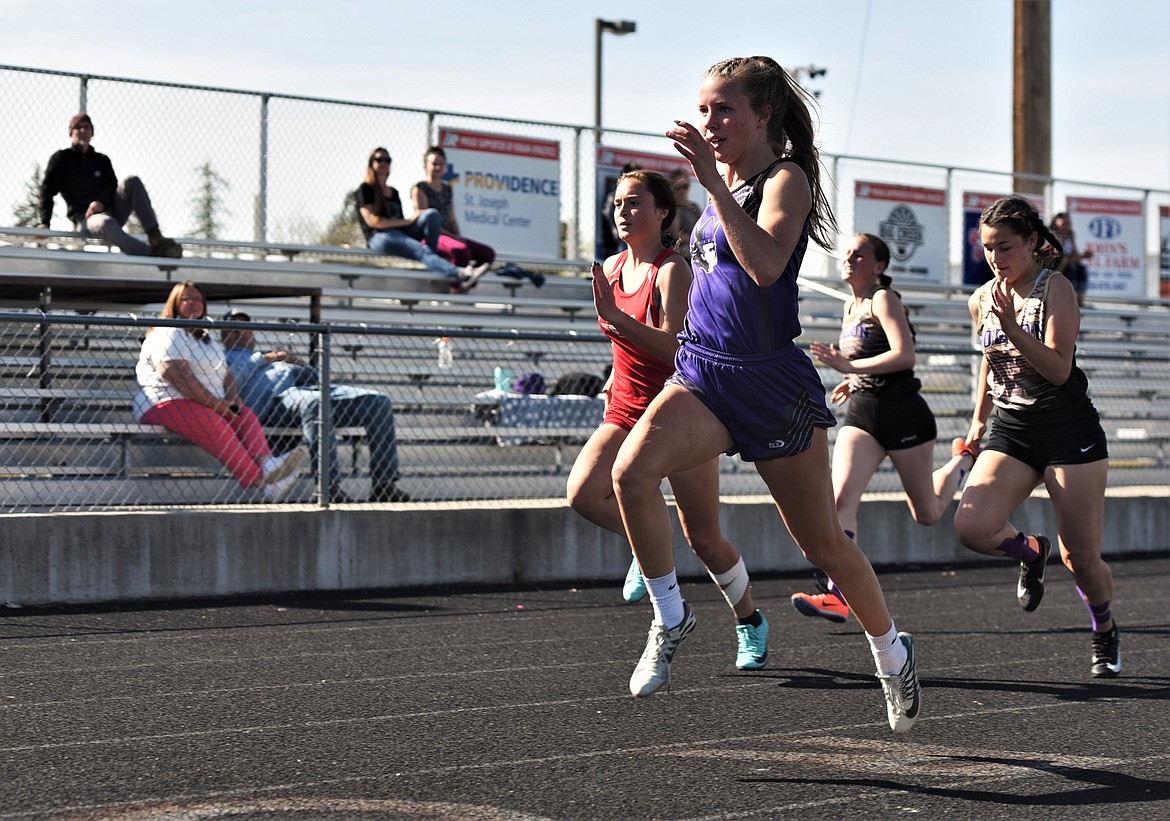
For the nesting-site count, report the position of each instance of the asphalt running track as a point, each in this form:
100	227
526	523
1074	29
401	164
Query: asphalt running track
512	704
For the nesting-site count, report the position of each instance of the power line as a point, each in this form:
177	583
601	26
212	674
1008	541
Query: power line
857	80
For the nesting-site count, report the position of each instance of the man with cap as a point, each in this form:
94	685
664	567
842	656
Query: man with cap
283	390
96	202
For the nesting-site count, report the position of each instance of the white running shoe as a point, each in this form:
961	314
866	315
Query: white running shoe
279	489
903	693
277	467
469	275
653	668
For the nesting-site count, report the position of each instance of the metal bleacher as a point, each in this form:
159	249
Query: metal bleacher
70	438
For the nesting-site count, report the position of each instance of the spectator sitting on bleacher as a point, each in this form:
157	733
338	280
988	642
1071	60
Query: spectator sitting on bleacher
284	390
687	213
185	386
1072	264
95	201
389	232
434	192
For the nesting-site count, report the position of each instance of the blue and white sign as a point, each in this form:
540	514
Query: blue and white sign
1113	232
507	191
610	162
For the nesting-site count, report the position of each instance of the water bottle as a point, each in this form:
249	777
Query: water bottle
446	358
503	378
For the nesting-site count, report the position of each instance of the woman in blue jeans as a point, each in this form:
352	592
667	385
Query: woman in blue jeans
389	232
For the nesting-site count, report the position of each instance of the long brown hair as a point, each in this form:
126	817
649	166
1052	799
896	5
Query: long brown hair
371	180
790	131
661	191
171	308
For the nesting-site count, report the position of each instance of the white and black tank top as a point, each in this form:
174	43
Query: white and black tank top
1013	383
862	336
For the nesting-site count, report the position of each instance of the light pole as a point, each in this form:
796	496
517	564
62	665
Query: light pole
613	27
810	71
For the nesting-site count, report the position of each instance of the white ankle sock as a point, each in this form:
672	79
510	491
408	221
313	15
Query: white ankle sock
667	599
888	653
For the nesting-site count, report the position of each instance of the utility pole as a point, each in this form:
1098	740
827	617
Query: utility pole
1032	94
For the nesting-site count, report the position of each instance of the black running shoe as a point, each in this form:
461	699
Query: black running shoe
1030	588
1106	653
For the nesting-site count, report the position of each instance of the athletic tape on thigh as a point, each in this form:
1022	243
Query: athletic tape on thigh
733	583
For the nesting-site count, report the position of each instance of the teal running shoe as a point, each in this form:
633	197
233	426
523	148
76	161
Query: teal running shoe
753	645
634	590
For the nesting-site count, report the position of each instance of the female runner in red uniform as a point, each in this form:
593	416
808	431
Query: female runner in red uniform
641	298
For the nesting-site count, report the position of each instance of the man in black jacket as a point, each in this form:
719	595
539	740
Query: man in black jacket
95	201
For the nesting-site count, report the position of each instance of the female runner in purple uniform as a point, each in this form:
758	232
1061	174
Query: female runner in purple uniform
741	385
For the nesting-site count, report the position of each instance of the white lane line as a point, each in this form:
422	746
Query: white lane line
397	717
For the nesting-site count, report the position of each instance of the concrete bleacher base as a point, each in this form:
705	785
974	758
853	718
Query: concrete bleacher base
87	558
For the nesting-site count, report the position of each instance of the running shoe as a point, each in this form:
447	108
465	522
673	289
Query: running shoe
469	275
826	605
337	496
276	468
753	645
389	492
902	691
634	589
1030	587
653	670
959	447
277	491
1106	653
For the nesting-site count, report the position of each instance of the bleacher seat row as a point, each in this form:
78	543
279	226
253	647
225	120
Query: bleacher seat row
64	403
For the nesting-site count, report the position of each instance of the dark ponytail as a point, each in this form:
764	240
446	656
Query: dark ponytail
881	253
1020	217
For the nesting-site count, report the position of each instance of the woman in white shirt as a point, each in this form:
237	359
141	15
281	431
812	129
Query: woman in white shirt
186	386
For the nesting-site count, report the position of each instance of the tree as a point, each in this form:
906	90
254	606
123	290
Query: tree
342	229
27	212
207	203
297	228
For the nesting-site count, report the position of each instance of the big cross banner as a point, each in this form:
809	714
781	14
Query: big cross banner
610	162
1113	231
976	271
912	221
507	191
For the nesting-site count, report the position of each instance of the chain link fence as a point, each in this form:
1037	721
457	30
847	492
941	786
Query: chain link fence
288	164
69	440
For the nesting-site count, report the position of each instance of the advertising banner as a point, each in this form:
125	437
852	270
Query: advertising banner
912	221
1164	255
507	191
1113	232
976	271
610	163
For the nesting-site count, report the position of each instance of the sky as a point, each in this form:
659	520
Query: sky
915	80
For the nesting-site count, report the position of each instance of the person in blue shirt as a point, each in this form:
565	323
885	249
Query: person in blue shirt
284	390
